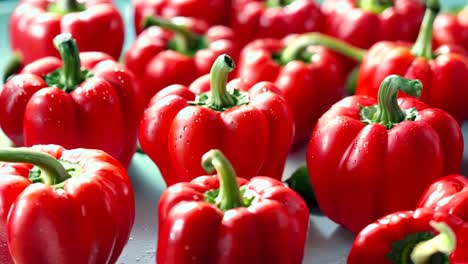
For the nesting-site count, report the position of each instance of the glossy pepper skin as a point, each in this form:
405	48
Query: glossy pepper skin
310	77
369	158
250	123
254	19
177	51
395	239
452	28
363	23
444	73
69	103
75	206
211	220
449	194
95	24
212	12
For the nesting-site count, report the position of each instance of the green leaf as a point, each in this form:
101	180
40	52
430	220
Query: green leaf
300	183
210	196
241	98
401	250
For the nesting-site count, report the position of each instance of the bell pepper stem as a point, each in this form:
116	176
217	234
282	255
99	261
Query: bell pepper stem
229	196
13	65
389	112
277	3
220	98
71	75
375	6
53	170
351	80
294	50
444	242
66	6
184	38
423	45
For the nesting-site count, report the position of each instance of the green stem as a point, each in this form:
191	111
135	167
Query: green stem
66	6
54	172
351	80
389	112
184	39
423	45
71	75
277	3
220	98
444	242
13	65
229	196
375	6
295	49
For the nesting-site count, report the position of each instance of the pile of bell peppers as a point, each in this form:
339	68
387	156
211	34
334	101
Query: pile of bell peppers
230	88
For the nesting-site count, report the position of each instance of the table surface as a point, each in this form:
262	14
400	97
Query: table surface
326	242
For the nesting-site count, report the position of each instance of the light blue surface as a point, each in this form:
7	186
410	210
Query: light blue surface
327	243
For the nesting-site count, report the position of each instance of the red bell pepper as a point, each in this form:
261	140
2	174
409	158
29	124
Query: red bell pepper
449	194
452	28
177	52
251	124
63	206
310	77
444	74
96	25
369	158
363	23
417	237
441	71
69	103
253	19
212	12
211	220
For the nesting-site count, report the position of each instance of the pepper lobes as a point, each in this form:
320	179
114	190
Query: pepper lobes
96	26
419	237
177	51
254	19
310	77
448	194
363	23
210	220
369	158
63	206
250	123
212	12
69	102
452	28
444	73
